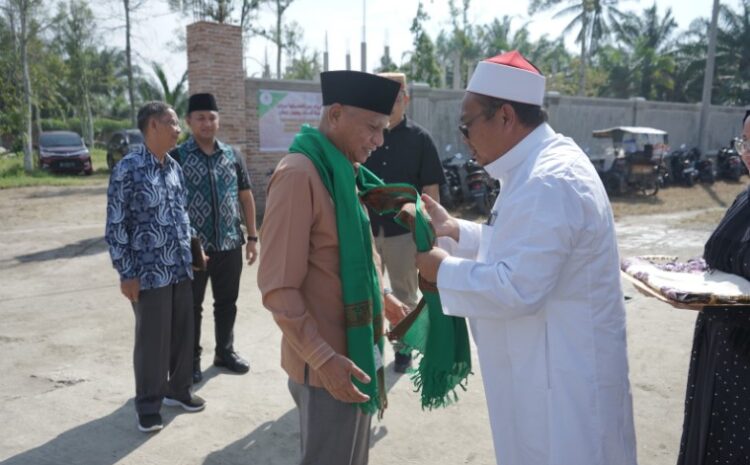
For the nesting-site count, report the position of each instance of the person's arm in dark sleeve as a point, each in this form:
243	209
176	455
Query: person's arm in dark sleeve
431	175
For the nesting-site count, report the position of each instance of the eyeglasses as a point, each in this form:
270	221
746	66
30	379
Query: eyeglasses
464	128
741	145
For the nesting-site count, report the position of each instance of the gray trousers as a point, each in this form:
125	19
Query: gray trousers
397	255
331	432
163	352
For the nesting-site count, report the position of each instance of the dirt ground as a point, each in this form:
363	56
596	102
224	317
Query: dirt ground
67	333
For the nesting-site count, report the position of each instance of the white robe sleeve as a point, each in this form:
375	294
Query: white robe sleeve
469	237
525	256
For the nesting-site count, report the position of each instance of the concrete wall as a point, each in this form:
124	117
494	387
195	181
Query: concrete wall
215	65
438	110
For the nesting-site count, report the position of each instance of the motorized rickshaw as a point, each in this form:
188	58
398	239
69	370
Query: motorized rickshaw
628	158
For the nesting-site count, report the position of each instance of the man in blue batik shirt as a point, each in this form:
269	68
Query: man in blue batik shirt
148	232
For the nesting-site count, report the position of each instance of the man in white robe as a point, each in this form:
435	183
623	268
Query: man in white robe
539	282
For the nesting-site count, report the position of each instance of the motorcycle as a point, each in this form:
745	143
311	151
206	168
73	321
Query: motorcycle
682	168
451	192
704	166
729	164
482	188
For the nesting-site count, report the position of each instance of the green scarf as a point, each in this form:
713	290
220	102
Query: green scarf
443	341
359	278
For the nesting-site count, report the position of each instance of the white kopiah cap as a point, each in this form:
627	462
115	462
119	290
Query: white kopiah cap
508	76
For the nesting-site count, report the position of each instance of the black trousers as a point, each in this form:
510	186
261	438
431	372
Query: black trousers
163	341
224	270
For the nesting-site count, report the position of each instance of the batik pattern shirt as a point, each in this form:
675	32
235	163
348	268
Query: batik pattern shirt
148	229
213	183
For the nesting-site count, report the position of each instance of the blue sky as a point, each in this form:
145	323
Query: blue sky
155	26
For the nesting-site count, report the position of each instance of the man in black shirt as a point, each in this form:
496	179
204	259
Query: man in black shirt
408	155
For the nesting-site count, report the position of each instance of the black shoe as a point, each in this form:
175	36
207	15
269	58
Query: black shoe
149	422
197	375
232	362
193	404
402	364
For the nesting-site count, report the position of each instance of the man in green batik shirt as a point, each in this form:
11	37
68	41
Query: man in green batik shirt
219	198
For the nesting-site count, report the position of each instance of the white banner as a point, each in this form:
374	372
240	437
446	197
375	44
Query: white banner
282	113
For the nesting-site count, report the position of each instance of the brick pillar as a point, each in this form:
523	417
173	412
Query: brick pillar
215	65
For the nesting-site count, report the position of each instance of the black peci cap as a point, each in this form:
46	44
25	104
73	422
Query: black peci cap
358	89
199	102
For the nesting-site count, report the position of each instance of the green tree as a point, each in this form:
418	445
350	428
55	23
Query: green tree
550	56
732	78
160	89
76	37
648	38
220	11
690	64
422	64
23	24
303	65
593	20
281	33
458	50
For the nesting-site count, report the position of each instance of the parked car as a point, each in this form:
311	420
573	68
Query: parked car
64	152
121	143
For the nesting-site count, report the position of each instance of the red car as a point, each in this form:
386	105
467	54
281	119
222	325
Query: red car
64	152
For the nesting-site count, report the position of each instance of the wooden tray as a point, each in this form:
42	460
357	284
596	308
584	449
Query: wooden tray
648	292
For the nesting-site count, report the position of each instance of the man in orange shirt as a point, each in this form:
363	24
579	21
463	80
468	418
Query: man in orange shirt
318	272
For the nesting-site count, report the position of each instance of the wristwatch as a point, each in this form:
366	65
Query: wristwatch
252	238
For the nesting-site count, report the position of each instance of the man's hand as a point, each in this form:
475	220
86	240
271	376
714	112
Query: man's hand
445	225
130	288
336	376
251	252
395	310
205	260
428	263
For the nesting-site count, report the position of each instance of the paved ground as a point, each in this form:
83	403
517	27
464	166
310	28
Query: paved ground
66	339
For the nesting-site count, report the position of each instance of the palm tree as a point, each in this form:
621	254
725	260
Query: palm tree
733	55
690	63
648	40
550	56
593	19
161	90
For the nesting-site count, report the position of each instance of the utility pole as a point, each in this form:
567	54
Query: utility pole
363	47
325	55
708	79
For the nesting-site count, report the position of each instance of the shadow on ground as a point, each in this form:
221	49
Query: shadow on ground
67	191
277	442
713	195
637	199
78	446
84	247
